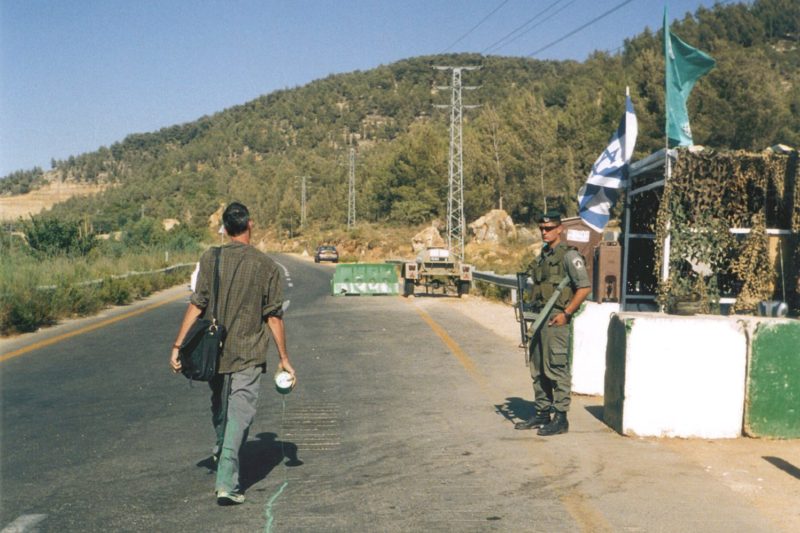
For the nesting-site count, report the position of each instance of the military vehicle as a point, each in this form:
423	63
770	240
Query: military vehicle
434	269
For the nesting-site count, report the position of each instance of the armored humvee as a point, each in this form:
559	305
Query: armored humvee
435	269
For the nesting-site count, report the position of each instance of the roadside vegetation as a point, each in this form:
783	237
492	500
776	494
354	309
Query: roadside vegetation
54	270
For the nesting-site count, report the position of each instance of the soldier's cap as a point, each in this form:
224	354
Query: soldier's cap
552	216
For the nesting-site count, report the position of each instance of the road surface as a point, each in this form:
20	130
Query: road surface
402	421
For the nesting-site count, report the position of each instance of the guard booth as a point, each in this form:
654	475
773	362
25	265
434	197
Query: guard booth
678	198
603	257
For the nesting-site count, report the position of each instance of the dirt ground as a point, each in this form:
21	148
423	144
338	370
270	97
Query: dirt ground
765	472
14	207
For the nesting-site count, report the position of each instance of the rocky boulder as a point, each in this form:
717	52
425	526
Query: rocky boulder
495	226
169	223
429	237
215	219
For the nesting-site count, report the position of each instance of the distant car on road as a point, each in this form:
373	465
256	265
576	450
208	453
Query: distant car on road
326	253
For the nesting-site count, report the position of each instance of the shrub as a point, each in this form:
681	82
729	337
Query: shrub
115	291
50	237
26	311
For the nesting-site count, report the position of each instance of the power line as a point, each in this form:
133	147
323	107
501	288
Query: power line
518	28
556	12
475	27
573	32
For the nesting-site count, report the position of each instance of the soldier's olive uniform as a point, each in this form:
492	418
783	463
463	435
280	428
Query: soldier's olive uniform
550	366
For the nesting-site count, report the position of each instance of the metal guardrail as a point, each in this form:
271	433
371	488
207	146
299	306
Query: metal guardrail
507	281
120	276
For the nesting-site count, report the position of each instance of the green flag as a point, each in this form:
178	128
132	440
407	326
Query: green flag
685	65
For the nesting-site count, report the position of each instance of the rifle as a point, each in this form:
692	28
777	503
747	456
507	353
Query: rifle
523	311
541	317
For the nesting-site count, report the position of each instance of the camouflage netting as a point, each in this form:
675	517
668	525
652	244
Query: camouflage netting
708	194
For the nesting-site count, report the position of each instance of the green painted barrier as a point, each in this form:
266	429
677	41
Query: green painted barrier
365	279
772	407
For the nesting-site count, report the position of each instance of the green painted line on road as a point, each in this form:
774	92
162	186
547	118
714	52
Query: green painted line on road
268	511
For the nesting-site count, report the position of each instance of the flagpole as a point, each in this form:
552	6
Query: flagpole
668	226
626	240
667	237
667	166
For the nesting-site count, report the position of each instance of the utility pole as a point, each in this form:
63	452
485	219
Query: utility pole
351	191
455	191
303	203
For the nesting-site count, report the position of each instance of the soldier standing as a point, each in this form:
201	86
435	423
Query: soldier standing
550	367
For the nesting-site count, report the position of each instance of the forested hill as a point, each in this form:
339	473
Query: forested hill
538	120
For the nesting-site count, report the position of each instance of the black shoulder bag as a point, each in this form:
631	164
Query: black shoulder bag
202	345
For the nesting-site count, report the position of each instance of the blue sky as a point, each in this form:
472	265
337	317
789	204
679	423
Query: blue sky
79	74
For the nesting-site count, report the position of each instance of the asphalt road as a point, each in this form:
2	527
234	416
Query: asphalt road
402	421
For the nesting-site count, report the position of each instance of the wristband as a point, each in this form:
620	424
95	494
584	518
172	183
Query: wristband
567	314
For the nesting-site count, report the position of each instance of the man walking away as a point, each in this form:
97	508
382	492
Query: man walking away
250	308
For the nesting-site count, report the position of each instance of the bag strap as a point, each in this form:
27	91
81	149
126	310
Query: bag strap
218	253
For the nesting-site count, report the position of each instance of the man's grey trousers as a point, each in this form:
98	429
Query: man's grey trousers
234	398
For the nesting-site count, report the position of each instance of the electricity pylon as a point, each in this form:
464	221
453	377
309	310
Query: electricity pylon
455	190
303	204
351	191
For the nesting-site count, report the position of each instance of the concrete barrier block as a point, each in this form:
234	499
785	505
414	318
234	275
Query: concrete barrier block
772	407
675	376
589	336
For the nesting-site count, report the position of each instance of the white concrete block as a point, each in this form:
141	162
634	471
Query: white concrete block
589	336
679	376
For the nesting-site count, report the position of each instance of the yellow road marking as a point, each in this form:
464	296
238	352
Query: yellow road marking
87	329
589	518
465	360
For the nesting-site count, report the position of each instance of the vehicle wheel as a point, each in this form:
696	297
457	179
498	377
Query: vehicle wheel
463	288
316	259
408	288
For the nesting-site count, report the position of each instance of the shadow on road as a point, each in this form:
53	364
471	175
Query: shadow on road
435	295
786	466
596	411
515	408
259	457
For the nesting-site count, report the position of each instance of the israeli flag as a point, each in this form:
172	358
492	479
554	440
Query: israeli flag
609	172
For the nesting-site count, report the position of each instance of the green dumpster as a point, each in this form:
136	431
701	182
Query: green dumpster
365	279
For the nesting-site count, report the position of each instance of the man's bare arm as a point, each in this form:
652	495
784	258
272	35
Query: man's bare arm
574	304
191	314
278	330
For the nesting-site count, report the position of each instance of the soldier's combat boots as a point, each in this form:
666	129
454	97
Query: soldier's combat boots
539	419
559	424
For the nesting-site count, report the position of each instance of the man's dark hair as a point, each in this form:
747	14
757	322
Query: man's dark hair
235	219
